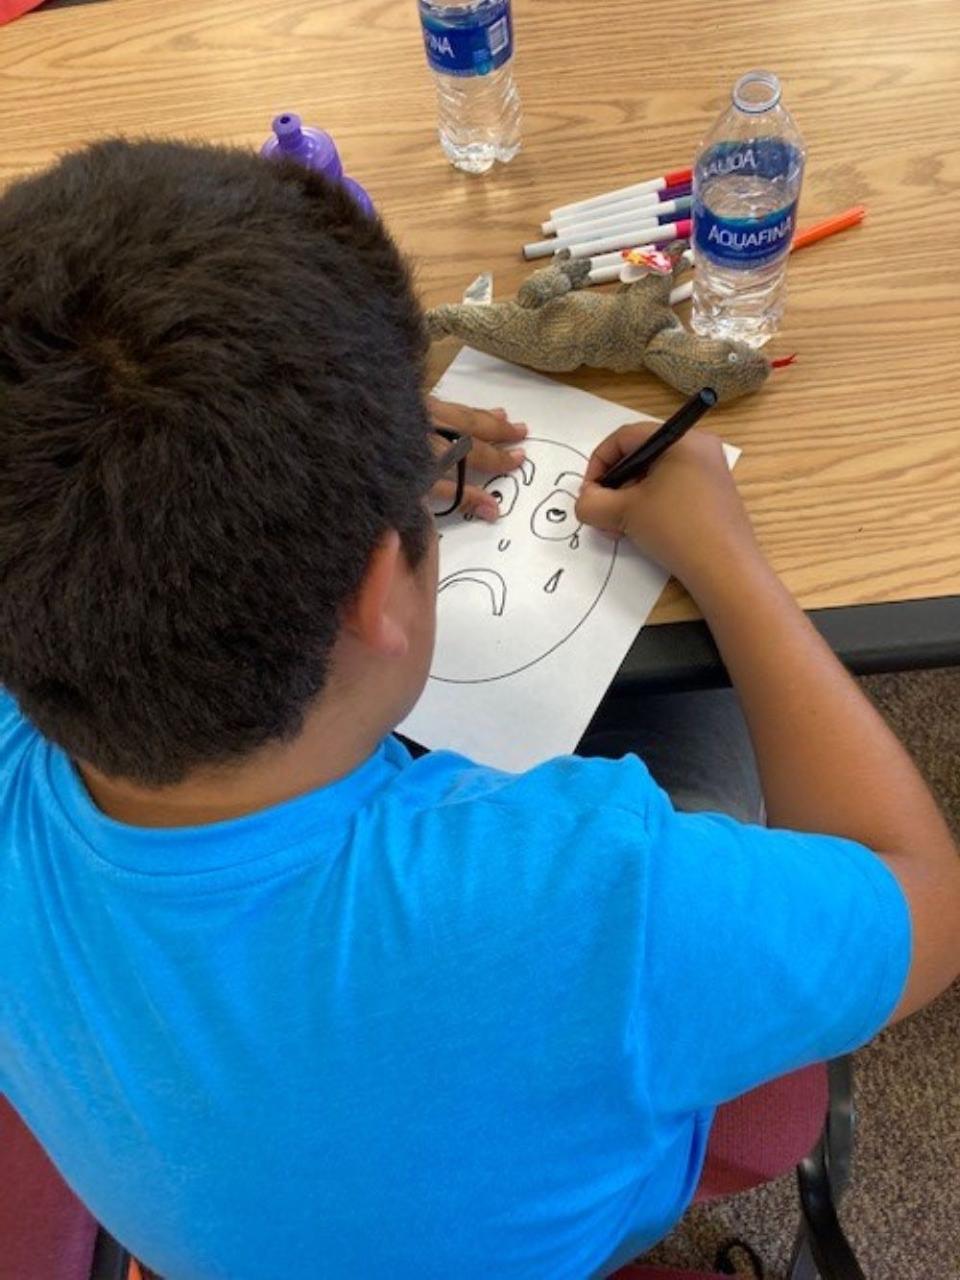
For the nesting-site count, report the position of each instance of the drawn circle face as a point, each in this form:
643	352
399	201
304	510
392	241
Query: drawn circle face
512	592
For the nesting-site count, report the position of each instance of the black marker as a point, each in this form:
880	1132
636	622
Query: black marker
635	464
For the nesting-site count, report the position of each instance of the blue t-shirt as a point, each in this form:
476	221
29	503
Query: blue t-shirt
430	1021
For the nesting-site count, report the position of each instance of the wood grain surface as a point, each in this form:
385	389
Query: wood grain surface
851	464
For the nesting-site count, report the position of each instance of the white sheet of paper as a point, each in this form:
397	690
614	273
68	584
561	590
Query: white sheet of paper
535	613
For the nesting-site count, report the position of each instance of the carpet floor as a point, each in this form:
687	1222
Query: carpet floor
902	1209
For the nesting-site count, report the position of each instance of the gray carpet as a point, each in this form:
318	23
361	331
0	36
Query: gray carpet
902	1210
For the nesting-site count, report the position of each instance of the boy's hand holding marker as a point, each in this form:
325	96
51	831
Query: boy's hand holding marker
686	513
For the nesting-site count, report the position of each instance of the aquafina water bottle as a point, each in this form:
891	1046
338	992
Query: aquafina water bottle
746	185
469	46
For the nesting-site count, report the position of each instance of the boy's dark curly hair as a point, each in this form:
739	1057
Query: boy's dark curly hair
211	410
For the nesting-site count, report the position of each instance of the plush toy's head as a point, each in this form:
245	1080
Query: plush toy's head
690	362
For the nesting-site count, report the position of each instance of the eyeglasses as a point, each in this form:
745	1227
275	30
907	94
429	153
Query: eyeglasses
454	456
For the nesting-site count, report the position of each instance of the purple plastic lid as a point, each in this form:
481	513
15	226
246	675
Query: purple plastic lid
310	147
316	150
359	195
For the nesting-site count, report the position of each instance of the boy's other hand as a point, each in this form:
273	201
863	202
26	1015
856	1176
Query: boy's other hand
495	449
685	513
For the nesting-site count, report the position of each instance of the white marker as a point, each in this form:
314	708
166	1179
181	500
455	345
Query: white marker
630	240
646	216
605	275
673	179
603	260
554	226
590	231
681	293
652	203
610	275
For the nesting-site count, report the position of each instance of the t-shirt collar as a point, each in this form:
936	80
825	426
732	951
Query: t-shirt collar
189	850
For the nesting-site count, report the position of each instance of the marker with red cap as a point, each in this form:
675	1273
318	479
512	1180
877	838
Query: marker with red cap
674	179
557	226
608	214
631	238
646	218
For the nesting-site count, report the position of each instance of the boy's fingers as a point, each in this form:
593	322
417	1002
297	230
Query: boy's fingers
475	500
601	508
484	424
480	503
487	457
498	430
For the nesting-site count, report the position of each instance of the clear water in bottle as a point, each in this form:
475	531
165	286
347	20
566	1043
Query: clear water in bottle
469	48
746	186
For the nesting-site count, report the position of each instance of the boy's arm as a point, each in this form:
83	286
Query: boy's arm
827	760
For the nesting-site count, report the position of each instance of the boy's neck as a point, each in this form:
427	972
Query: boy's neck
329	747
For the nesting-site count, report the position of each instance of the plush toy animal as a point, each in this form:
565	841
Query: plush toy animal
556	325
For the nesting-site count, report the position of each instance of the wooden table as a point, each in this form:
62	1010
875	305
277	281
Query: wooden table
851	464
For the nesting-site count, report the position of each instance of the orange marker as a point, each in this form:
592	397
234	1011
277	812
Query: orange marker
820	230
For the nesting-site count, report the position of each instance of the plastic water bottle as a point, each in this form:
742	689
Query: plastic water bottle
469	47
314	148
746	185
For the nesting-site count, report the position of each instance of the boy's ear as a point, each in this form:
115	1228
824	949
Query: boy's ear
372	616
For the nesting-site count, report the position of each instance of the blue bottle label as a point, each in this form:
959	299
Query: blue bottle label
473	45
746	242
743	242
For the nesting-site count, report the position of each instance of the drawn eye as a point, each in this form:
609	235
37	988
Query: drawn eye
505	490
555	518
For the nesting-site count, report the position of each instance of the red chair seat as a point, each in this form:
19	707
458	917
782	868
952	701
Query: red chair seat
45	1232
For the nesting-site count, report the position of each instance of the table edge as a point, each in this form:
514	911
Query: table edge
902	635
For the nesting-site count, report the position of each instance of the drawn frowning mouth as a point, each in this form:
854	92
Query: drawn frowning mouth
489	578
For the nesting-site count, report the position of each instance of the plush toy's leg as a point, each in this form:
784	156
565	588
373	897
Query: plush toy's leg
443	320
554	282
465	320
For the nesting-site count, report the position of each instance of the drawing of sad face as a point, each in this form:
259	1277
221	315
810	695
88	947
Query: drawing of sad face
512	592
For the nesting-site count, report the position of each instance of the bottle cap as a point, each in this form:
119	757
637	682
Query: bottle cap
311	147
756	91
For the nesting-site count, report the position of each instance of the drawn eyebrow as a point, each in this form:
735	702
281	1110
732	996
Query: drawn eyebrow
576	475
528	469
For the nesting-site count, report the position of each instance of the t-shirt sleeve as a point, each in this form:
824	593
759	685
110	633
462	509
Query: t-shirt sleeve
763	951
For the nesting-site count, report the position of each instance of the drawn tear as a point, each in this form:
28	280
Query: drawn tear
551	584
528	470
575	541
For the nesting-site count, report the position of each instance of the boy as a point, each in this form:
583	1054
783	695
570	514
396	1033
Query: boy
276	998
